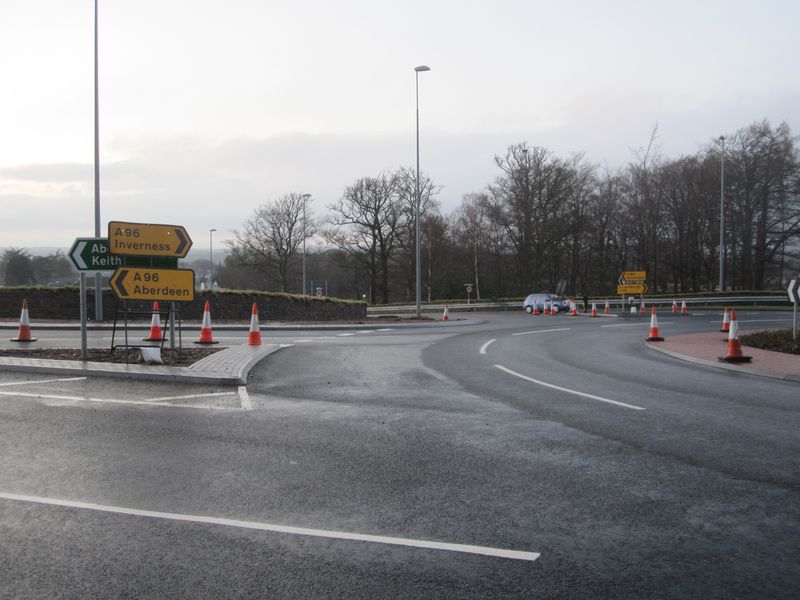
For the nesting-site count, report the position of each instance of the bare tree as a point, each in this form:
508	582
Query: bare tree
271	237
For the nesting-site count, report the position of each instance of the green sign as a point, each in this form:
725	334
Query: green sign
92	254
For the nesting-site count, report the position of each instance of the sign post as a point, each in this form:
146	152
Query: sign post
794	297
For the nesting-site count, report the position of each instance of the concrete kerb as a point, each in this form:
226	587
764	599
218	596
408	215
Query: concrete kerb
742	370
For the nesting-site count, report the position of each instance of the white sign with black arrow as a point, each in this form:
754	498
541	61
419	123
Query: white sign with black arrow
794	297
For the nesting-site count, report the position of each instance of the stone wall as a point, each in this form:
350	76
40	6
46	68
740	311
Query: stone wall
63	303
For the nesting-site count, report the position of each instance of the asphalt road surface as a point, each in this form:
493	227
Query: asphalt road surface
527	457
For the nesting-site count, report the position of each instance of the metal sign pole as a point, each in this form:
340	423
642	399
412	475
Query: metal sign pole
172	328
83	316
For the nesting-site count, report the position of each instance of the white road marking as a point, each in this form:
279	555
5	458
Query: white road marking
390	329
107	400
345	334
486	345
275	528
189	396
43	381
762	320
366	331
542	331
244	398
569	391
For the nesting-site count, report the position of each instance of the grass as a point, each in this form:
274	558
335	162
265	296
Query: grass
775	340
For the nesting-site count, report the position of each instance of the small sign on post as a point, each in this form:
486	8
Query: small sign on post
794	297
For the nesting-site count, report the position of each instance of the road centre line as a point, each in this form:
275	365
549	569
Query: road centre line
345	334
189	396
542	331
108	400
275	528
43	381
244	398
486	345
569	391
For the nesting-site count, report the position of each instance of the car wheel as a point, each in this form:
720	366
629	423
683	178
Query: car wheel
528	309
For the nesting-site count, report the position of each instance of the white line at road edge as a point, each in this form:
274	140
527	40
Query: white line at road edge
541	331
43	381
189	396
109	401
562	389
321	533
244	398
486	345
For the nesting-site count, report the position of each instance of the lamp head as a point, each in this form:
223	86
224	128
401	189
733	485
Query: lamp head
421	68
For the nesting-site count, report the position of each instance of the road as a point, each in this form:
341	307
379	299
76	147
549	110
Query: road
554	457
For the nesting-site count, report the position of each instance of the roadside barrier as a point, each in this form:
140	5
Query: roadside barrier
254	337
655	335
733	352
205	327
156	334
24	333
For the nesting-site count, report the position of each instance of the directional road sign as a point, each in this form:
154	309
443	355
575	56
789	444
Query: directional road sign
631	288
146	239
794	291
92	254
633	276
139	283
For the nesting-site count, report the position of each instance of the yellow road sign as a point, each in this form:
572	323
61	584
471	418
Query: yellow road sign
633	276
176	285
631	288
146	239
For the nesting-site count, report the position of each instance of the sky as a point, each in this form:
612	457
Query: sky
209	109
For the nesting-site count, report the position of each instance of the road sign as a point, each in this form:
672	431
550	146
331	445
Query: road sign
631	288
92	254
141	283
146	239
633	276
794	291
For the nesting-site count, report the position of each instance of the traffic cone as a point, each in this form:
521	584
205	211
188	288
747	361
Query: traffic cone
24	334
654	336
606	309
674	306
545	310
726	321
684	310
553	310
535	310
444	314
205	327
594	309
156	335
574	310
734	350
254	338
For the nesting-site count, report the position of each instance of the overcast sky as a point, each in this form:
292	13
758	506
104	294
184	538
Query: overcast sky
208	109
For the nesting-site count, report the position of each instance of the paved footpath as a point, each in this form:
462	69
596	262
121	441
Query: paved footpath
706	348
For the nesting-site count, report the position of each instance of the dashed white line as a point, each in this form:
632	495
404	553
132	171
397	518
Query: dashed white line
275	528
244	398
486	345
345	334
43	381
567	390
542	331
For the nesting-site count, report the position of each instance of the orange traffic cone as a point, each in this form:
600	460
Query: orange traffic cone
205	327
594	309
553	310
444	314
674	306
606	309
684	310
642	308
545	309
654	336
156	335
726	321
535	310
574	310
254	338
734	351
24	334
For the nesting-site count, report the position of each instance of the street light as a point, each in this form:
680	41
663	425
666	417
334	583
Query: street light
98	279
305	198
417	71
211	258
722	215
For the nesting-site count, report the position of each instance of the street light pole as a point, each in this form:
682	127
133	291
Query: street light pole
722	216
211	258
417	71
98	279
305	198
